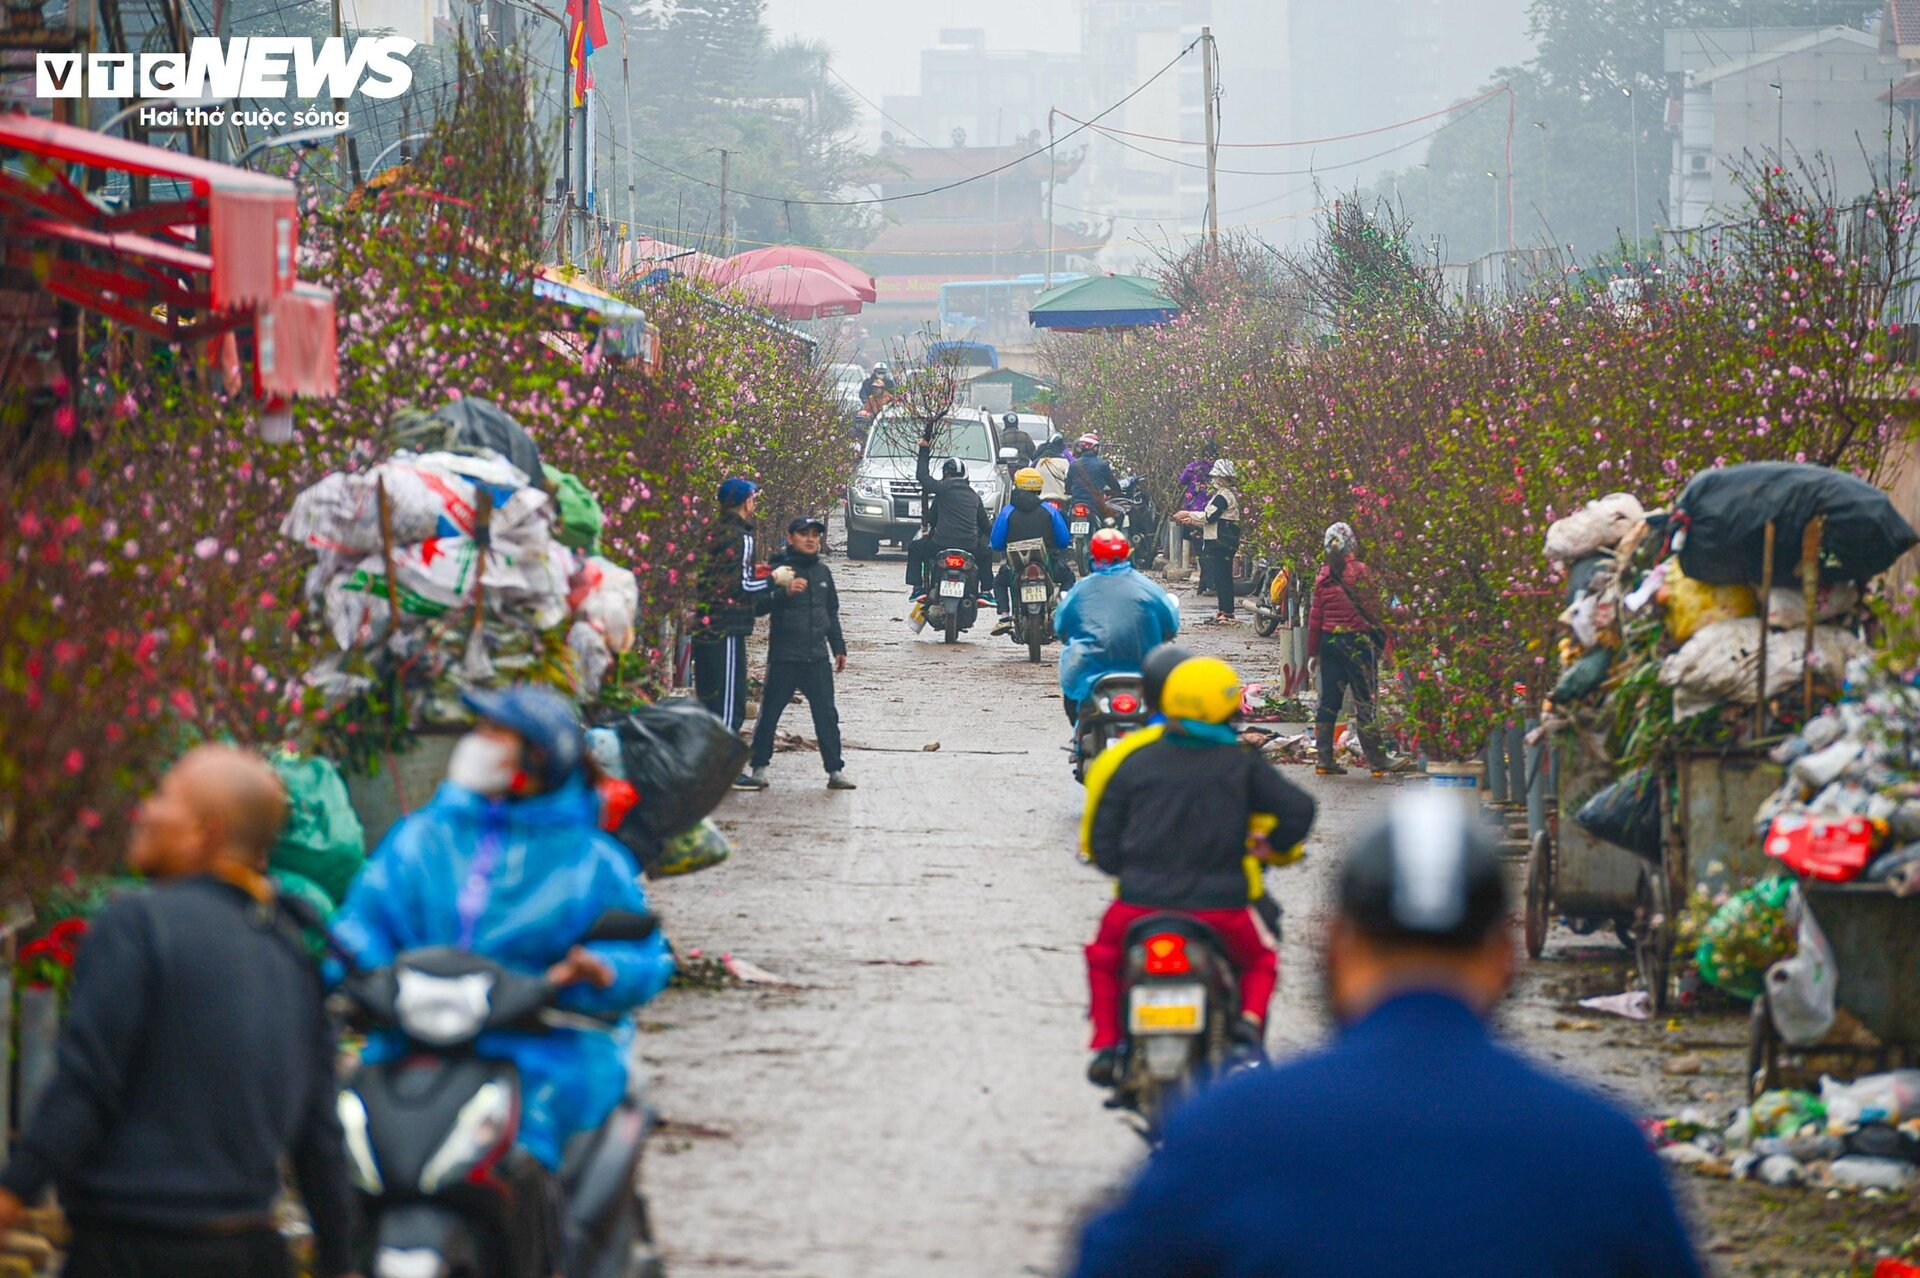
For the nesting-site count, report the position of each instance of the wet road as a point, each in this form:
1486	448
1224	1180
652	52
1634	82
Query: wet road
915	1105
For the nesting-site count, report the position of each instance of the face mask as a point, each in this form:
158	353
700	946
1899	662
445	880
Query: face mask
485	765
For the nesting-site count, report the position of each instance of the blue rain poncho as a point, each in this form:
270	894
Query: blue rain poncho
1110	621
519	881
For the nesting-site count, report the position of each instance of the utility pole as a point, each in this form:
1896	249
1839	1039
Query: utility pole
1495	178
1779	123
725	158
1633	105
1546	223
626	106
1051	171
1213	145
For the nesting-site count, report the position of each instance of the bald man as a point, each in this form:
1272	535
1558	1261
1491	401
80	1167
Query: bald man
196	1055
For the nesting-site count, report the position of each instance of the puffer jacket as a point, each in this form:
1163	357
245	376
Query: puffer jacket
550	873
730	583
806	626
958	516
1334	611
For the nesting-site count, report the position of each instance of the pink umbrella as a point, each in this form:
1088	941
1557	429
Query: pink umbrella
798	292
813	259
645	255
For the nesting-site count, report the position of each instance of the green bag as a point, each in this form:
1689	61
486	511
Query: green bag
302	888
1745	937
698	847
323	840
580	517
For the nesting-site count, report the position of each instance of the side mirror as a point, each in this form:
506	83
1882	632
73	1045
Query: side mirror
622	925
1009	454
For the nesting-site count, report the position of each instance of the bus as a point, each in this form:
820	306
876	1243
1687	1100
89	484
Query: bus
994	311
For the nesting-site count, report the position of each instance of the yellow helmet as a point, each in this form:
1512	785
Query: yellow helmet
1029	479
1203	688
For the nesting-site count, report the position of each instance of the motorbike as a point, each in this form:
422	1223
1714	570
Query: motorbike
431	1136
951	606
1271	596
1116	706
1084	520
1179	997
1143	523
1034	594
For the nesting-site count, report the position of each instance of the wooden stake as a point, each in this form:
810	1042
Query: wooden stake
386	551
1766	585
482	540
1809	593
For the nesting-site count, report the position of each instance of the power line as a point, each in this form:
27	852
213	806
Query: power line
936	190
878	109
1339	137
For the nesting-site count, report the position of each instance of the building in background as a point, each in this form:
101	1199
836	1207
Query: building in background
1818	96
971	95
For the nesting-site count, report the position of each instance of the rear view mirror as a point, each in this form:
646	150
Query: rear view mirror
622	925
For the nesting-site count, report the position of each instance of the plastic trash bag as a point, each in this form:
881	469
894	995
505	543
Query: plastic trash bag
1723	514
436	577
1626	814
430	495
1599	525
1787	606
1758	916
591	659
1800	989
1892	1098
580	516
1583	677
469	423
606	597
304	890
682	759
699	847
1695	604
323	841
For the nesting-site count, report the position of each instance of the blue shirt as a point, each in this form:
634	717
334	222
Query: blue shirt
1414	1144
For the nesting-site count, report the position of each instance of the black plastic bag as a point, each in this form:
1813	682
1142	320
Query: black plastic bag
1580	576
481	423
1725	513
1583	676
1626	814
682	759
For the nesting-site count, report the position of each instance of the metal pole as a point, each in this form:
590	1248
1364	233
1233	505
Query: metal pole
1213	144
1546	223
725	157
1779	123
1633	106
626	105
1050	183
1766	586
1493	245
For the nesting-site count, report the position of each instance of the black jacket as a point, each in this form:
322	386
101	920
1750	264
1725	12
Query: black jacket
1018	440
805	627
1172	822
956	513
730	584
196	1054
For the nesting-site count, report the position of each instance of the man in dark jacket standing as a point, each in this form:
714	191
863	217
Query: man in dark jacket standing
730	587
1414	1143
196	1055
805	629
956	519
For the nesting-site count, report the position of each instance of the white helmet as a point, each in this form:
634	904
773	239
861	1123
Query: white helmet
1222	469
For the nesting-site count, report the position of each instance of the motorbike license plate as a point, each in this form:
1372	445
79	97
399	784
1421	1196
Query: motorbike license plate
1166	1009
1033	594
952	589
1080	528
913	510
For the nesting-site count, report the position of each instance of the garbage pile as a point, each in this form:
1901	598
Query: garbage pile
459	561
1849	808
1862	1135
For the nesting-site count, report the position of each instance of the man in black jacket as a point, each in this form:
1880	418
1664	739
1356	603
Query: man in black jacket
196	1056
956	520
805	628
730	587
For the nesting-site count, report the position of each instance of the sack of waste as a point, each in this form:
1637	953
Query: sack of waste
1626	814
682	759
471	425
1583	677
580	518
322	841
606	597
1692	604
1891	1098
699	847
1599	525
1722	517
1720	665
436	577
1787	606
430	495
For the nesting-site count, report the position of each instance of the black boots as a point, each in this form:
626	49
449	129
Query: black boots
1327	765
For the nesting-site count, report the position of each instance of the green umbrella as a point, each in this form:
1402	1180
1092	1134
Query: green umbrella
1104	301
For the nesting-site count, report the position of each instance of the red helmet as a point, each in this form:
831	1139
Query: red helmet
1109	546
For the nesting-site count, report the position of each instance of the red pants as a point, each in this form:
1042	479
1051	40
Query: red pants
1259	967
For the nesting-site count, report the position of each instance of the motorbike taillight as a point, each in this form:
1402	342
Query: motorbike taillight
1167	955
1079	512
956	561
1124	704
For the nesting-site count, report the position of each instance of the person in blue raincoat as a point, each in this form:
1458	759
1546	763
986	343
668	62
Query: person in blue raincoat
1110	621
507	860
